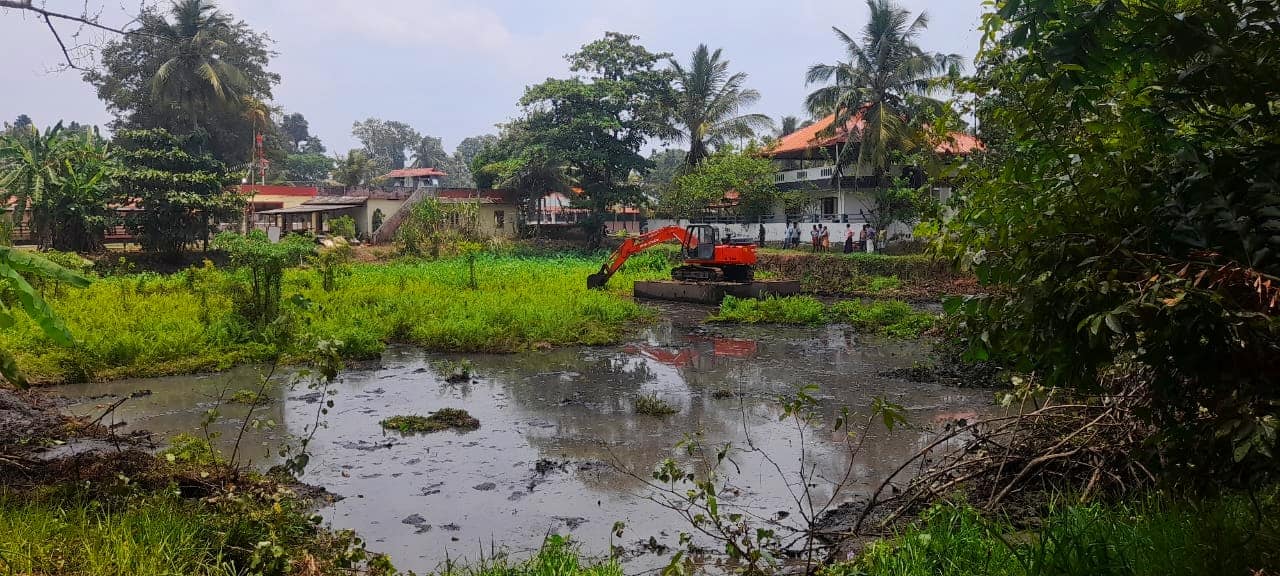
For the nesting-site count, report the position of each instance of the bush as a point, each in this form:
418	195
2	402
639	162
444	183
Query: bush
652	405
343	226
1157	536
891	317
788	310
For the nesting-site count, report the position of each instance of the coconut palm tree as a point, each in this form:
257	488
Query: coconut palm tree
195	75
355	169
708	102
887	78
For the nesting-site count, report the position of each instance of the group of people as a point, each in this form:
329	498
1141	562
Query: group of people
820	237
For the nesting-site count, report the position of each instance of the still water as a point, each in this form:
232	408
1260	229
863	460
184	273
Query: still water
560	448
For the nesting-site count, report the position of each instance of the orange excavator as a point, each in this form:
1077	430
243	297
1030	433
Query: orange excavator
705	258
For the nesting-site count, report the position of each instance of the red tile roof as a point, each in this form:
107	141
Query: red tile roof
413	173
815	136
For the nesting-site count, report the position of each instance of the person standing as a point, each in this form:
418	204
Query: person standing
848	238
761	235
871	238
826	238
813	237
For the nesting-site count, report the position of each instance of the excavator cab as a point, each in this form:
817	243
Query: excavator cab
700	244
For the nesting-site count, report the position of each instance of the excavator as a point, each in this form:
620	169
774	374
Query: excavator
705	259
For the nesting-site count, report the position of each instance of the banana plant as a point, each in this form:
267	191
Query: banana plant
15	266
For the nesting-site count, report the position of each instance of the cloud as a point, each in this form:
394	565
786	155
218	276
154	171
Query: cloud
437	23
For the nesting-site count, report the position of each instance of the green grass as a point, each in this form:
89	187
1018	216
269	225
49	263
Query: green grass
878	284
439	421
890	317
1157	536
121	531
788	310
652	405
152	325
557	557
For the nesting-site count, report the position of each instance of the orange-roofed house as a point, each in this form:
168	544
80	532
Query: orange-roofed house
805	161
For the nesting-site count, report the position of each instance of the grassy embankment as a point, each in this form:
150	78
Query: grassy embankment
150	325
912	277
890	317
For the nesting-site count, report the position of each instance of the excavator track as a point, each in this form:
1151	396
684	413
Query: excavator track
696	274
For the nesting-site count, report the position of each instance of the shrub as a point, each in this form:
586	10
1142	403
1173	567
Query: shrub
343	226
788	310
891	317
652	405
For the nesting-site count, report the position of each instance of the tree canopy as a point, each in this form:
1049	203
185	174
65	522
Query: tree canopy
708	104
596	123
181	190
1131	223
190	70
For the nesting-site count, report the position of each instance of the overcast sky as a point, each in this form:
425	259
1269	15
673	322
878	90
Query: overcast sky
454	68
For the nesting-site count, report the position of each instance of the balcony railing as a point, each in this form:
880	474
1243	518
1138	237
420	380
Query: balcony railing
804	175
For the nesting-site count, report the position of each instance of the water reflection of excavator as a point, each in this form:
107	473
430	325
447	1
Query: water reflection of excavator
705	259
686	356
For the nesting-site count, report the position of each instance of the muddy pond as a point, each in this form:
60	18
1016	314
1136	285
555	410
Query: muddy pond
560	448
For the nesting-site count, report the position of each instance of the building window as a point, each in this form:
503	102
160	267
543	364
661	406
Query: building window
499	219
828	205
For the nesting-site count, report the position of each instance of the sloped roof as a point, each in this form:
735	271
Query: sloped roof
413	173
812	137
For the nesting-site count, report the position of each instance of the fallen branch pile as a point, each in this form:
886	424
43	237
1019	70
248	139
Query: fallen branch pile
1083	446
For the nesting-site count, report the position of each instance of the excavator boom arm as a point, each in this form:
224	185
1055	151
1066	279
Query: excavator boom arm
633	246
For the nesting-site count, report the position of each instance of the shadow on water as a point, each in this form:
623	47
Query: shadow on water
553	424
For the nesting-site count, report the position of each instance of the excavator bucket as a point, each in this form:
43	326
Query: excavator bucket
597	280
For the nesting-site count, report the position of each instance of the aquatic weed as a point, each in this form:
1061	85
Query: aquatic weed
442	419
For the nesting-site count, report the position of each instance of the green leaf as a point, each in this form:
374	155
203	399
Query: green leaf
36	307
9	369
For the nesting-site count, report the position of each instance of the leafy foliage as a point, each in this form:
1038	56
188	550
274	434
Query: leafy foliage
265	263
708	101
886	81
62	178
308	167
355	169
596	124
746	173
181	191
189	73
434	228
15	269
1129	225
386	142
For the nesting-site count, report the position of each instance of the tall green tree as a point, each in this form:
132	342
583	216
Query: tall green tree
1130	230
355	169
296	131
387	143
181	191
471	146
62	180
429	153
188	71
709	101
518	161
308	167
595	124
746	173
887	80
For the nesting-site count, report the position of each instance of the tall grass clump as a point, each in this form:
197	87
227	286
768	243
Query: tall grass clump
1157	536
892	317
152	325
557	557
772	310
